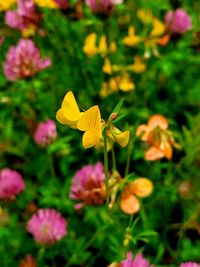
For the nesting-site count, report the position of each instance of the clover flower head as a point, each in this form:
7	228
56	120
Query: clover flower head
139	261
47	226
178	21
102	6
11	183
190	264
88	185
24	17
45	133
24	60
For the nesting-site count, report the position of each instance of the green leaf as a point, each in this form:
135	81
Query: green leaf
118	106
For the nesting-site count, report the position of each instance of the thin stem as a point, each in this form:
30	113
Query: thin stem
114	165
106	167
130	147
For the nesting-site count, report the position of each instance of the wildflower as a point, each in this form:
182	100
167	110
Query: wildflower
46	3
62	4
90	123
139	261
107	67
91	49
155	133
190	264
132	39
26	18
11	183
139	66
47	226
24	60
69	113
178	21
157	36
5	5
28	262
88	185
145	15
45	133
141	187
102	6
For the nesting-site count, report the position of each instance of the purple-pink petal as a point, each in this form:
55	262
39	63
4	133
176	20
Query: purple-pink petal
11	183
24	60
47	226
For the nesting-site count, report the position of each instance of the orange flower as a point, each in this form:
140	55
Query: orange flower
141	187
155	133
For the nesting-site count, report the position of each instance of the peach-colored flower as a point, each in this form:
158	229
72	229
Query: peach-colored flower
141	187
155	133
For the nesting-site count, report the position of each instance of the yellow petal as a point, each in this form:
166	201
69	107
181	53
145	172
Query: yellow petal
6	4
158	28
90	138
70	108
138	66
89	47
62	119
142	187
126	83
107	67
145	15
131	39
45	3
103	46
91	119
113	47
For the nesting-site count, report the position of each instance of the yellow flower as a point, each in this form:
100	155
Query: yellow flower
90	123
145	15
103	46
107	67
138	66
113	47
131	39
69	113
158	28
90	48
125	83
6	4
46	3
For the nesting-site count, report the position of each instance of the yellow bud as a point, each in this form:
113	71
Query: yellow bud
122	138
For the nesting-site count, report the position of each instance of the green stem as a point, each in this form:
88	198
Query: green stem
114	165
130	147
106	167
